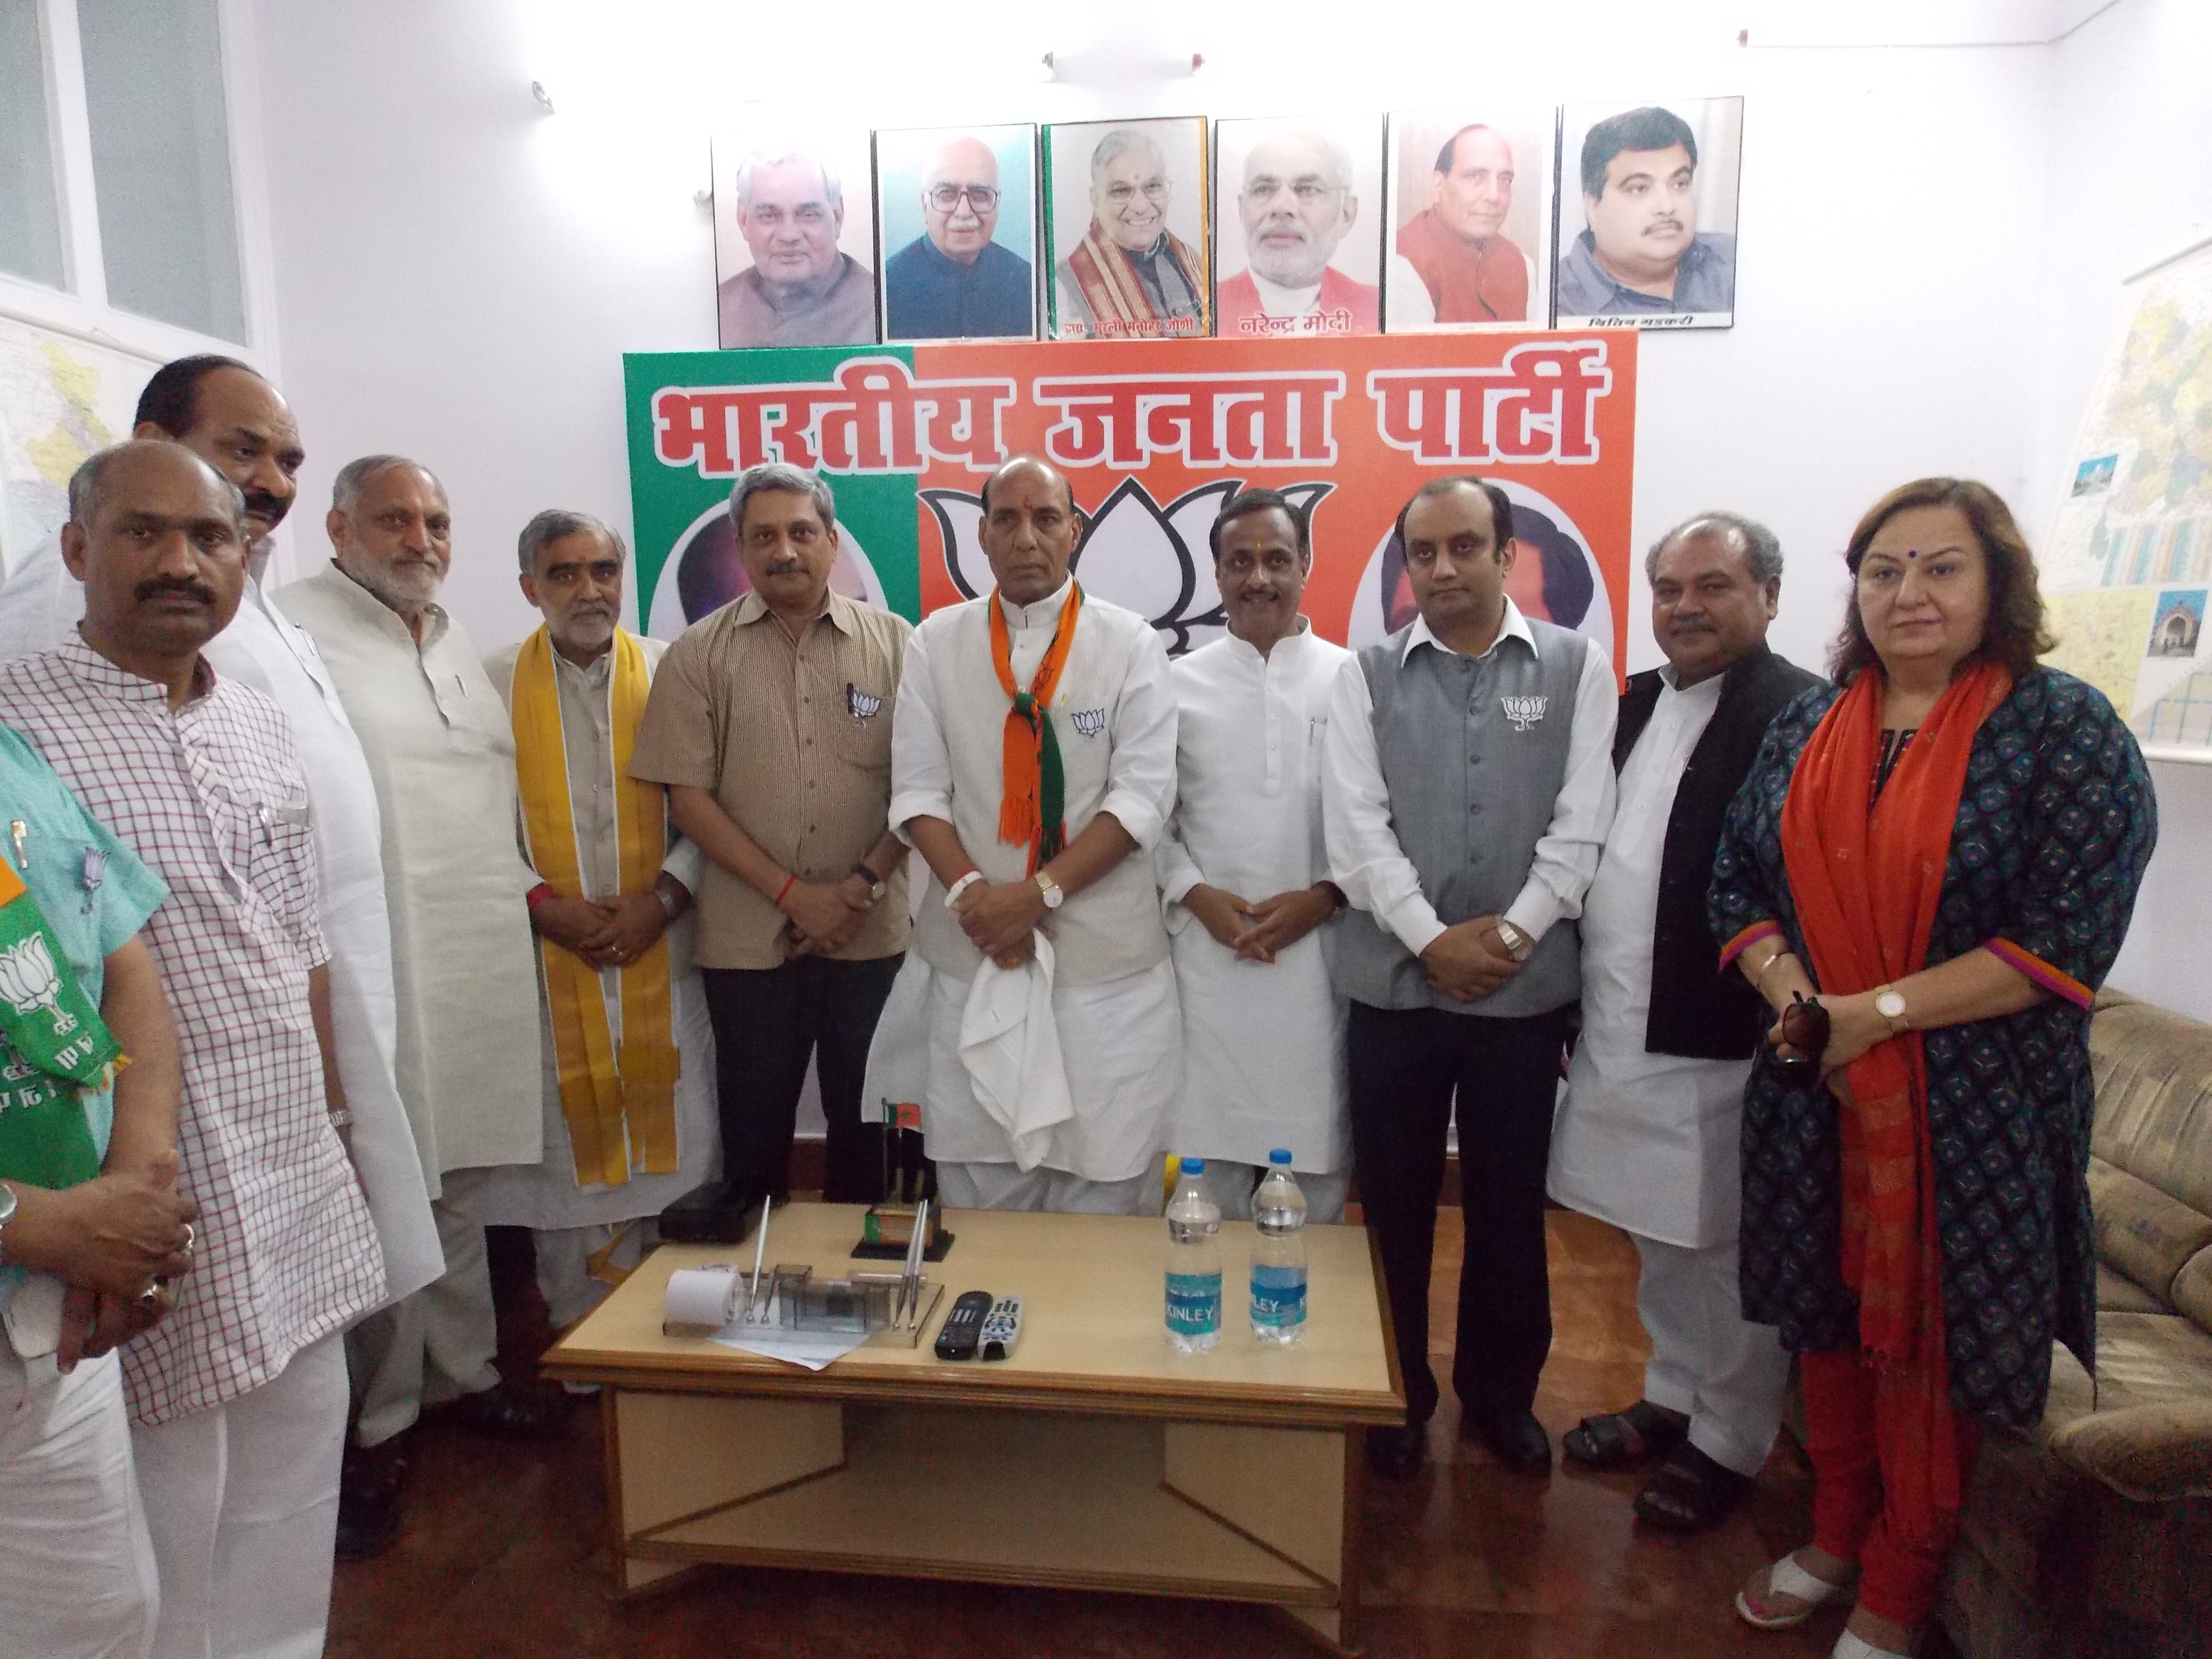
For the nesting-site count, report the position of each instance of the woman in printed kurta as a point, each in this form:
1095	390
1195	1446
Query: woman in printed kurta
1916	1221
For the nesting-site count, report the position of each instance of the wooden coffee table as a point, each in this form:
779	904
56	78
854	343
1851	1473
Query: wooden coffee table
1095	1458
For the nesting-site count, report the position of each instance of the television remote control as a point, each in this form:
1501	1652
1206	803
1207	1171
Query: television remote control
1003	1328
956	1337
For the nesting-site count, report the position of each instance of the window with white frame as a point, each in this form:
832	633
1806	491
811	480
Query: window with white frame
116	174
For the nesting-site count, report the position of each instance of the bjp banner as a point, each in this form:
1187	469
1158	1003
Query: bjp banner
1154	437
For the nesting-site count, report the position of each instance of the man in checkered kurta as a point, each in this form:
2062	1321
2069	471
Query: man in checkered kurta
238	1401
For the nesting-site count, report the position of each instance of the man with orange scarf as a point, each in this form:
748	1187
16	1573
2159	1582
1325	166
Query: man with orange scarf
628	1053
1034	752
1926	875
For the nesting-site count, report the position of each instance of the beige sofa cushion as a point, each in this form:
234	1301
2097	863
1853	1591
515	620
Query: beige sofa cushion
2153	1073
2141	1231
2192	1289
2118	1293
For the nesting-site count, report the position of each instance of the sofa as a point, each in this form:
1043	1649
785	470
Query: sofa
2093	1534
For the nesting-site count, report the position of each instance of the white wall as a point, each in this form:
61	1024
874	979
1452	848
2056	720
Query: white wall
1932	239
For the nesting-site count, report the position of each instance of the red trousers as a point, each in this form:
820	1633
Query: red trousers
1855	1517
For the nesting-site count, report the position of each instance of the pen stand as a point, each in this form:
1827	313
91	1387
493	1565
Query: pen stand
887	1230
858	1304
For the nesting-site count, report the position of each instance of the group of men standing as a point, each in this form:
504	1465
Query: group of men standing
399	943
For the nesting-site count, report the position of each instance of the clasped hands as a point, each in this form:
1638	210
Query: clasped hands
1254	933
825	915
1001	918
118	1241
604	932
1855	1026
1468	960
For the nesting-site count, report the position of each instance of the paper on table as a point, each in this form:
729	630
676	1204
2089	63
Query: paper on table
813	1349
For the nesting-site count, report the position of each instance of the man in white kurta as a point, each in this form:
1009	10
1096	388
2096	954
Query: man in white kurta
1244	875
441	754
1647	1136
572	573
238	424
1082	877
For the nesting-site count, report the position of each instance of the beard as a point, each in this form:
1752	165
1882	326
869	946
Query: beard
405	587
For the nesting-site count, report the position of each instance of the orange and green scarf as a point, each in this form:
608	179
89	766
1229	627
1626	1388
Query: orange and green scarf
1866	875
1032	811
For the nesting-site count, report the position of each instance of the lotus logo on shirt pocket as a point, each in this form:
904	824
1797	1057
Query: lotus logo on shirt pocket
1088	721
1522	713
863	707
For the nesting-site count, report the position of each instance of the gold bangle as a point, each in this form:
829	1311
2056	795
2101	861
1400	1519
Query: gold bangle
1759	979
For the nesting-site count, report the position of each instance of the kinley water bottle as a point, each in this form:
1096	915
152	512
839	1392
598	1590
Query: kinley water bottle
1279	1254
1193	1300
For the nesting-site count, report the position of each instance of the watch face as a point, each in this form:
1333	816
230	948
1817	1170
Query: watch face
1889	1004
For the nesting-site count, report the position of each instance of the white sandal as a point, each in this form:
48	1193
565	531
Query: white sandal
1848	1646
1786	1577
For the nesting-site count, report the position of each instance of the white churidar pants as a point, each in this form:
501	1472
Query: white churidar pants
1231	1185
1008	1187
436	1345
242	1503
76	1567
1708	1361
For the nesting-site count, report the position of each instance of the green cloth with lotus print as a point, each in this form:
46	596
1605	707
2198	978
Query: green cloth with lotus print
53	1045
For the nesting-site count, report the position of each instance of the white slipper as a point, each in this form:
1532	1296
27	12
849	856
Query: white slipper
1848	1646
1786	1577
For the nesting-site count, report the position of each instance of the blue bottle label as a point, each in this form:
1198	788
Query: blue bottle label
1278	1295
1193	1304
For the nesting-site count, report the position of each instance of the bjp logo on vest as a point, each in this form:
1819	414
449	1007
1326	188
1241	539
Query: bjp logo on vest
1523	712
1089	722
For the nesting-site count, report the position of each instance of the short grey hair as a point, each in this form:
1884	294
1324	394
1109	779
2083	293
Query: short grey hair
88	485
1760	547
555	522
1339	157
1119	142
353	477
776	158
788	479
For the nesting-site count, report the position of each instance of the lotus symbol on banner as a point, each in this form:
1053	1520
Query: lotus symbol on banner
1134	553
29	982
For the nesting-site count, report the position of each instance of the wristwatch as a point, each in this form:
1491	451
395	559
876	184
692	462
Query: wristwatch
1518	945
1054	898
875	882
7	1215
1889	1003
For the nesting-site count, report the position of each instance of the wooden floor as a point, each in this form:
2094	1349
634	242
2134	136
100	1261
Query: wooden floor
504	1552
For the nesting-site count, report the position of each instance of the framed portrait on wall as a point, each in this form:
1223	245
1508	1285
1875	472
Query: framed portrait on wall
1470	218
795	258
1126	222
1647	214
956	216
1298	226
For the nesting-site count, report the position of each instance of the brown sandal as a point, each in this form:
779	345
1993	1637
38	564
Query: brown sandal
1615	1440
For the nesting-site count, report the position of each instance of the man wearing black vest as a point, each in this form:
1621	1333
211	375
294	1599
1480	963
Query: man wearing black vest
1465	792
1647	1136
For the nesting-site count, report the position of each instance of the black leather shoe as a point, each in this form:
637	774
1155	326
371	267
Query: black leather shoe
1516	1437
507	1412
1395	1453
370	1485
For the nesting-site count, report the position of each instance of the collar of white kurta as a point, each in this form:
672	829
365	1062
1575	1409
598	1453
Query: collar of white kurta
1038	613
1515	627
1010	1043
96	673
1293	641
373	609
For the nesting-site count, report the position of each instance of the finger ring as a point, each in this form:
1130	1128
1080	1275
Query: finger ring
150	1297
191	1237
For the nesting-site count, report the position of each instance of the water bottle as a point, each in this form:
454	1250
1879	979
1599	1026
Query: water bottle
1193	1298
1279	1254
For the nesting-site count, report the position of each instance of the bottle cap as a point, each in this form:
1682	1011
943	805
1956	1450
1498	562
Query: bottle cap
1281	1155
1194	1166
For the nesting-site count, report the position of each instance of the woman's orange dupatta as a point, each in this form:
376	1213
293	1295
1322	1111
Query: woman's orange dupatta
1866	875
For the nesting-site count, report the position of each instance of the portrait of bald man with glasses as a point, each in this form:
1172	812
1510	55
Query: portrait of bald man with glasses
959	279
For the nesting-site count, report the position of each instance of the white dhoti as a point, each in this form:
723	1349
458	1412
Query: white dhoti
437	1344
1708	1361
1121	1041
76	1567
242	1505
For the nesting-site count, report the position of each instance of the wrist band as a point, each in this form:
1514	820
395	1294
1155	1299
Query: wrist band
789	881
952	893
538	894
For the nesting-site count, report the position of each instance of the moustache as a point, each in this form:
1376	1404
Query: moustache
786	568
270	509
1690	625
161	587
1669	224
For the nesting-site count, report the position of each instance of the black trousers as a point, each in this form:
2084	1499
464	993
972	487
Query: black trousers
769	1022
1406	1067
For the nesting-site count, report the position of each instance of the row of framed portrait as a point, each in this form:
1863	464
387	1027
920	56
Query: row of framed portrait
1573	215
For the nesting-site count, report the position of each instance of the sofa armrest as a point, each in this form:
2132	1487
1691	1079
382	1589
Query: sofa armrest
2147	1453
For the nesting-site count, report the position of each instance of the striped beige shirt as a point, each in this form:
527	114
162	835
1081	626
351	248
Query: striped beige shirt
794	740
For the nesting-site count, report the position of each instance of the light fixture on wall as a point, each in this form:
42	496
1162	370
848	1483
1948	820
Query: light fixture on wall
544	98
1047	69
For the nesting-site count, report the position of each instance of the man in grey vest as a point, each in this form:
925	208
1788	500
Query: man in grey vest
1467	788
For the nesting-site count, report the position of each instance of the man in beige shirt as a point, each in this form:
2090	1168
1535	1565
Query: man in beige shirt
770	722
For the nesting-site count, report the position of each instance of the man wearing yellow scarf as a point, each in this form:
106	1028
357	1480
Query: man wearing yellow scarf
629	1056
